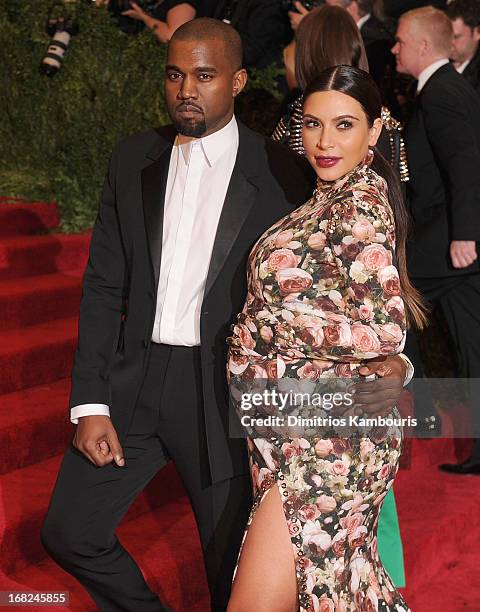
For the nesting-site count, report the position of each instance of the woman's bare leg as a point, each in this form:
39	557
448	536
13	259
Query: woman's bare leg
265	580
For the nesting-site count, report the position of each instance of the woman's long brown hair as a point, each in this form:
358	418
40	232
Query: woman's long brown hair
327	36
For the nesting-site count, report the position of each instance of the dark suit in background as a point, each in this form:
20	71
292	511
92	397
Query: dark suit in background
472	71
443	149
378	38
166	402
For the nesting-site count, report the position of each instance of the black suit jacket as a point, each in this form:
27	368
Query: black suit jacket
120	283
378	39
443	148
472	71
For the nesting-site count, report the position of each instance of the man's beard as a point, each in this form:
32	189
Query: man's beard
191	128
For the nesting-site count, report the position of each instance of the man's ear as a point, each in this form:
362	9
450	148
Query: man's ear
424	46
375	132
239	81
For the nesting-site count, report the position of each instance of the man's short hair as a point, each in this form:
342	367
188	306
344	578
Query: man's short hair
365	7
434	25
467	10
205	28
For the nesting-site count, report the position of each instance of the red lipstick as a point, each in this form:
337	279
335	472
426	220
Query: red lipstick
326	162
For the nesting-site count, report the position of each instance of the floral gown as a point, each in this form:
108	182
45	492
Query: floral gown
323	297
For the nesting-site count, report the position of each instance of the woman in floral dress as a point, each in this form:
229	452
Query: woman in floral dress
328	36
327	291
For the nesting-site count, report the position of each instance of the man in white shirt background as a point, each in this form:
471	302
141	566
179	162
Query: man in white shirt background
465	55
181	208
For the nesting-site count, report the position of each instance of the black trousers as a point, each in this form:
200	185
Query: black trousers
88	502
459	298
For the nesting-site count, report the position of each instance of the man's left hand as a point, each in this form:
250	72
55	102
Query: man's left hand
463	253
378	397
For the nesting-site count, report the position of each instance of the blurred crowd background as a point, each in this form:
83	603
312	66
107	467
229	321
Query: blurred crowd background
107	59
101	77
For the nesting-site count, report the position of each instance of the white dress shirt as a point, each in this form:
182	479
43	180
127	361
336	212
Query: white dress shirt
197	184
429	71
462	67
363	20
198	177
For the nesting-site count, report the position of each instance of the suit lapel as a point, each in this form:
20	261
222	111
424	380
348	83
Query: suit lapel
239	200
154	184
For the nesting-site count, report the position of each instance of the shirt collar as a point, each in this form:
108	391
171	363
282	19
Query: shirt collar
214	145
429	71
363	20
462	67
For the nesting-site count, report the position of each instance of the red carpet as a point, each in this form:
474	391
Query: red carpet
39	294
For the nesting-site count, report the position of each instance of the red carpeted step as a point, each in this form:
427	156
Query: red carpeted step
165	545
30	356
433	451
25	496
437	514
34	425
22	256
18	217
455	589
31	300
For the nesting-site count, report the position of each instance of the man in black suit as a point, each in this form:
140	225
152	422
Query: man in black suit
443	151
465	56
181	208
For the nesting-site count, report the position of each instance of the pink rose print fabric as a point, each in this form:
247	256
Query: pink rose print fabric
324	296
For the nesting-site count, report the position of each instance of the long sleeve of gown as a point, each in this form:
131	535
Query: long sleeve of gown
369	319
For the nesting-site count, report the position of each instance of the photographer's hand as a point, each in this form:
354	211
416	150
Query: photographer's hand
136	13
297	16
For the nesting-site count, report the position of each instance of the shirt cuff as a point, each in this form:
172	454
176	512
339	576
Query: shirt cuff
88	410
410	369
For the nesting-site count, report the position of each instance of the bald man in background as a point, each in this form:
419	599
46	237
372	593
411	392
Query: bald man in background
443	150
